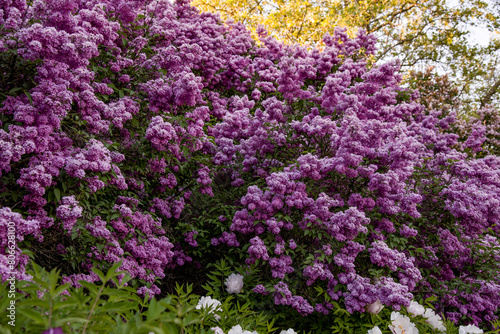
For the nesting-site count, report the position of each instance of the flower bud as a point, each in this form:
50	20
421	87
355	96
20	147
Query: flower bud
375	307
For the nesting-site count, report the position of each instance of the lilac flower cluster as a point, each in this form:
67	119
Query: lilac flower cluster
162	135
281	266
227	238
257	250
189	238
69	211
283	296
14	229
147	259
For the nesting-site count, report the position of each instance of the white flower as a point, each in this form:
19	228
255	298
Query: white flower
374	330
374	308
434	320
415	308
429	313
238	330
212	304
288	331
401	324
217	330
469	329
234	283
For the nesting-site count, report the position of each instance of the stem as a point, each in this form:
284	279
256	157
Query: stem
93	307
50	313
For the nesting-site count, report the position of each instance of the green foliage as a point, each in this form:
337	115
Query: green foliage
109	306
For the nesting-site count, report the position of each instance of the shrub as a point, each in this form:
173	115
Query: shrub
154	135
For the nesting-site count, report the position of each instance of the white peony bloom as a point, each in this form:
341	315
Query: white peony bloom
469	329
374	330
217	330
238	330
429	313
415	308
401	324
234	283
374	308
212	304
288	331
434	320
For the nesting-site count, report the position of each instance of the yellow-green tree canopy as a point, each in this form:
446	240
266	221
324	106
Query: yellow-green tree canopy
418	32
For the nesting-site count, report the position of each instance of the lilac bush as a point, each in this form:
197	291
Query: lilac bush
150	133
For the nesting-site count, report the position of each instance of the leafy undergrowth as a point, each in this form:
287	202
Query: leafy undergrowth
111	306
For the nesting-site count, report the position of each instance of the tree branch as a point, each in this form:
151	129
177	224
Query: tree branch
493	89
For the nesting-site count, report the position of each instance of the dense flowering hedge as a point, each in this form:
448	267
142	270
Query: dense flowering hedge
150	133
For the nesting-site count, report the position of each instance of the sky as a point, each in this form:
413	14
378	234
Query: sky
478	35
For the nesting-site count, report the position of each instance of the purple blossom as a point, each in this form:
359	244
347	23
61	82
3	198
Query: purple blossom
189	238
69	211
257	250
260	289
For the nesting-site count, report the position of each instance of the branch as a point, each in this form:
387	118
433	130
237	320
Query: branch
302	23
487	98
387	19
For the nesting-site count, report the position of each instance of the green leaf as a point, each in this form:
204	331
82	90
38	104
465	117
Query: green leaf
185	151
61	289
154	310
35	302
50	197
57	194
113	271
99	274
90	286
118	307
28	95
114	216
431	299
13	90
34	316
64	304
71	320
